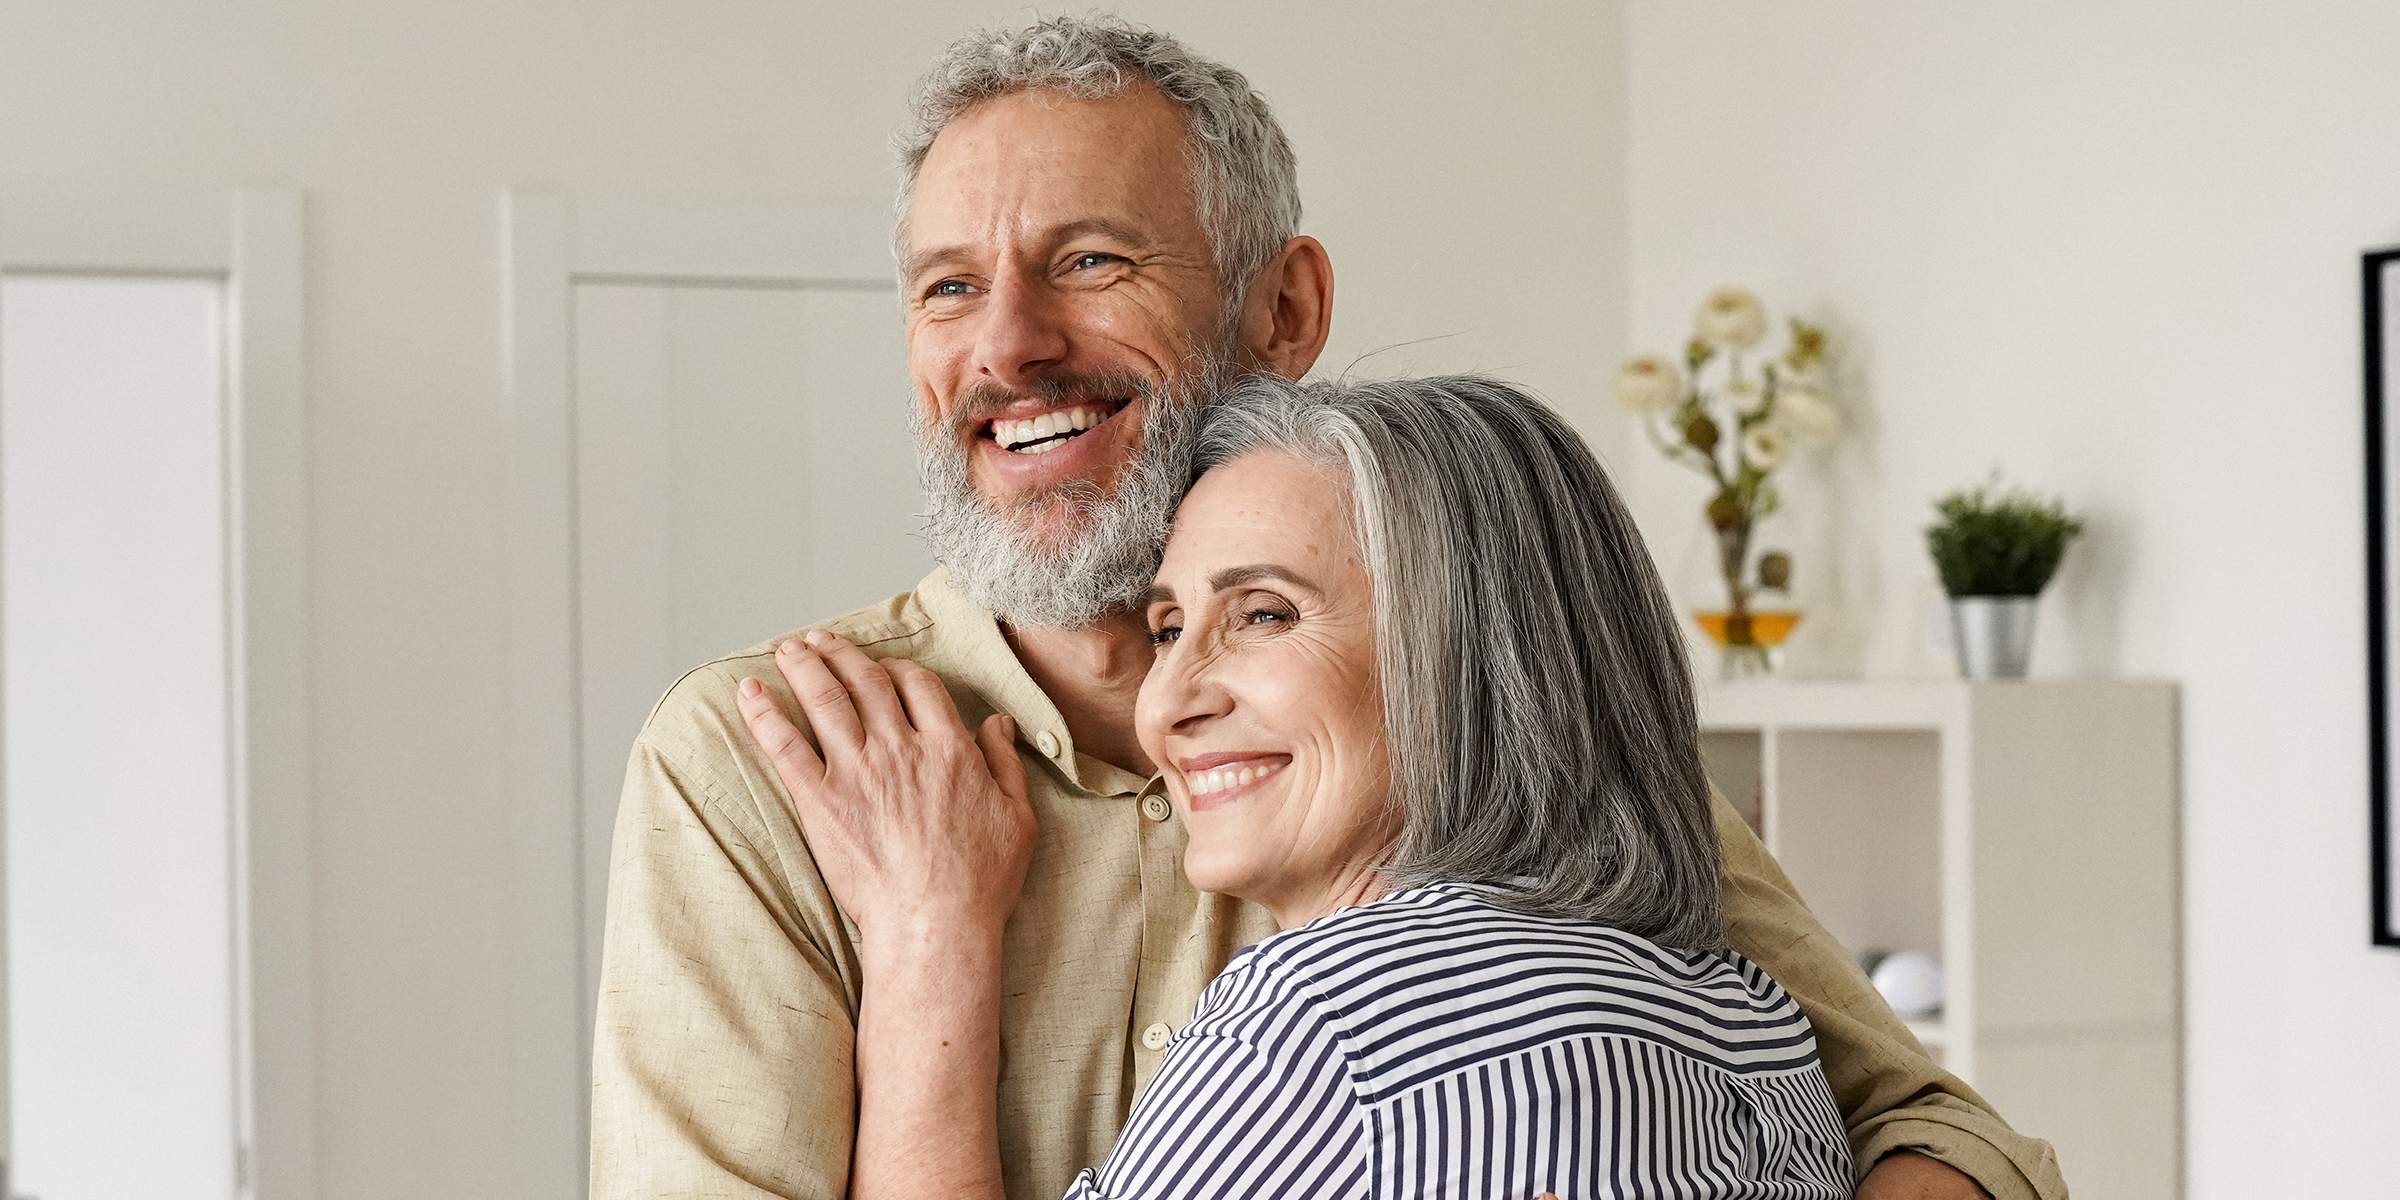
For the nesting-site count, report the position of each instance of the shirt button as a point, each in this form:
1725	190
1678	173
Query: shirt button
1048	743
1156	1036
1154	806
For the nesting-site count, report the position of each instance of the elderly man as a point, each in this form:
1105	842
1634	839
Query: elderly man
1097	225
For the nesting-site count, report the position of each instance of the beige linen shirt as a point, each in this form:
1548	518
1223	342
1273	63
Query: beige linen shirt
730	981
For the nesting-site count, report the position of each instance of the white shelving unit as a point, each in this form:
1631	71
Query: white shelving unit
2025	834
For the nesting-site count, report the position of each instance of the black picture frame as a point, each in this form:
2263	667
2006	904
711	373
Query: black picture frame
2380	290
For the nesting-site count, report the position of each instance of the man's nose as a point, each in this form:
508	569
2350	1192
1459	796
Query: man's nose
1022	333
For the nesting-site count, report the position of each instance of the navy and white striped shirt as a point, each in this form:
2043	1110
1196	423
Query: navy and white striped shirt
1433	1044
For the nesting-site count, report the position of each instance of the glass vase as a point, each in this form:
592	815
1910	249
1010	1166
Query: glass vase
1749	644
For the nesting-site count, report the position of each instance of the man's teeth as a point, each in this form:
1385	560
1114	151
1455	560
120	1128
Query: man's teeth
1015	435
1207	782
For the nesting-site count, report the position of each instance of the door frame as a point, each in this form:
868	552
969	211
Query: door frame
549	243
250	239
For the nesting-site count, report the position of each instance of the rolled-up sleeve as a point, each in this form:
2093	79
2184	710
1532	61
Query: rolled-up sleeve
1892	1095
722	1056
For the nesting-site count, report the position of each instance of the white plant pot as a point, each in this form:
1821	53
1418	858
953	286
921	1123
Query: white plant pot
1993	634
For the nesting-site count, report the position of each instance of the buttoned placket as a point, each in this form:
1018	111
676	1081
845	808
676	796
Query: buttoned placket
1161	999
1160	1006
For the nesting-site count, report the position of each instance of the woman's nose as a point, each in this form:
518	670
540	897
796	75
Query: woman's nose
1182	694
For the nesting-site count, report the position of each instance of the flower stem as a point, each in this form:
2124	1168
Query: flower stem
1733	553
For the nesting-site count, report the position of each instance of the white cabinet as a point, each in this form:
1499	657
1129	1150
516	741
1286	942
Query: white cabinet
2024	833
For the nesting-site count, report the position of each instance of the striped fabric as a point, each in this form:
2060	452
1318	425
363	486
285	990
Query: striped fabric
1432	1044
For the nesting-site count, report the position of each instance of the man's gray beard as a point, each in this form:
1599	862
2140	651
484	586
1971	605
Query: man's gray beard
1106	557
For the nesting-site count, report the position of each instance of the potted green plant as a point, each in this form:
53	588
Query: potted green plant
1996	550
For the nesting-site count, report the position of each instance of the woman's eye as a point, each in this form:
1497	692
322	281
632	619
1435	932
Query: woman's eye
1164	635
1266	616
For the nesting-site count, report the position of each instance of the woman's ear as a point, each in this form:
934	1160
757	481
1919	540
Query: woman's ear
1289	310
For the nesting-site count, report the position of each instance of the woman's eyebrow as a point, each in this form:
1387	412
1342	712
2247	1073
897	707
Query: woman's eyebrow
1236	576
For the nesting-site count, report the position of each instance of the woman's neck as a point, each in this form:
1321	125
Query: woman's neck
1355	885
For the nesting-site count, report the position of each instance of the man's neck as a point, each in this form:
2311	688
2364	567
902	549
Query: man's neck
1092	674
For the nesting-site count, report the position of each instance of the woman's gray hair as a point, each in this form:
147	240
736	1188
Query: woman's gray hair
1537	702
1245	181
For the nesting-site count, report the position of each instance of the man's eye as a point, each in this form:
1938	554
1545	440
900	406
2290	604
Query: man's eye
1093	259
951	287
1165	634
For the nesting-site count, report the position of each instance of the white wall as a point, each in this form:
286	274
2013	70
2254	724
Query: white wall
120	946
2114	247
1465	167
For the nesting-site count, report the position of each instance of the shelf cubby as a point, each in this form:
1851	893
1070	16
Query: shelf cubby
2022	832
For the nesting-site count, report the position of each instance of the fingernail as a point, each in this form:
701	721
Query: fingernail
1012	724
752	687
789	647
818	637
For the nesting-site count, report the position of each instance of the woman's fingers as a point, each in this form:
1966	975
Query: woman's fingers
823	698
794	760
870	686
926	702
998	741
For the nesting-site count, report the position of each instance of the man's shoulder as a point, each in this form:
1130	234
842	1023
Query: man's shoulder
895	627
697	721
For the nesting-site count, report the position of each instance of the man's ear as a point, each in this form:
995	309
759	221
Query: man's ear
1289	311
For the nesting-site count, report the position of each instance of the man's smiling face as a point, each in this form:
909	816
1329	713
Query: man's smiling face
1058	274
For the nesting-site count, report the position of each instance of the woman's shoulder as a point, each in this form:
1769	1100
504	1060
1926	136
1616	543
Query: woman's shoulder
1448	922
1438	973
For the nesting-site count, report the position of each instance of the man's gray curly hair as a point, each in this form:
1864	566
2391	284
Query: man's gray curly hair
1245	181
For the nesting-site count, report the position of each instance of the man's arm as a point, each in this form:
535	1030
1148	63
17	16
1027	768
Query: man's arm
1893	1097
722	1056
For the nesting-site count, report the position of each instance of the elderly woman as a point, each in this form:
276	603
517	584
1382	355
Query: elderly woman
1418	692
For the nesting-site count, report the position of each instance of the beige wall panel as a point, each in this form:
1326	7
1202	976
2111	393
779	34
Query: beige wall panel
2105	1100
2075	840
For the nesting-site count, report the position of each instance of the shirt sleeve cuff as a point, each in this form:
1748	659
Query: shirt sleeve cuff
2007	1164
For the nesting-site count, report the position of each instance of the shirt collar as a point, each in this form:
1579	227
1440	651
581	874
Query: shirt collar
980	657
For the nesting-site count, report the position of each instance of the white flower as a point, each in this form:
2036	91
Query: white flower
1745	396
1766	447
1649	385
1808	378
1730	317
1809	416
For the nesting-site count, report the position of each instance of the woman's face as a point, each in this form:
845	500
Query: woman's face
1262	705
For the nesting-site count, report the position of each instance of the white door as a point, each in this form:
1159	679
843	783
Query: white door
114	660
709	446
743	467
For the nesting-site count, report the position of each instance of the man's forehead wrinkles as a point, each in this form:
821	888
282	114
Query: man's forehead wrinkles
1130	235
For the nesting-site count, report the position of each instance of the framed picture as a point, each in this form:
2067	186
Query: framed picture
2380	273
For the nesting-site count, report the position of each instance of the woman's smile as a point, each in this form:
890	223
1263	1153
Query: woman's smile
1216	780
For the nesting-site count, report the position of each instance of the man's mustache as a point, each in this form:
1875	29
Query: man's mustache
983	398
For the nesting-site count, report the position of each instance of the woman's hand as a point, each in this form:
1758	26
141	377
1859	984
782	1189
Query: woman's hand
920	829
922	833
